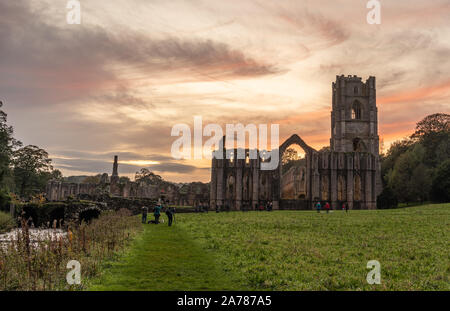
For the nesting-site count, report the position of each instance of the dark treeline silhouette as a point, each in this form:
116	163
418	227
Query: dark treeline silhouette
417	168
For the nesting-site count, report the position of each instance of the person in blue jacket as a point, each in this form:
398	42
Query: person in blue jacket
318	207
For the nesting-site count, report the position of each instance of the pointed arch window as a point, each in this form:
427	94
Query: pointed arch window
356	110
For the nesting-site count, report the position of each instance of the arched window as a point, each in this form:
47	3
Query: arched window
358	145
325	188
341	189
356	110
355	90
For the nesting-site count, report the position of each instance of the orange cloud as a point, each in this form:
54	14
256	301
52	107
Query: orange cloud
415	95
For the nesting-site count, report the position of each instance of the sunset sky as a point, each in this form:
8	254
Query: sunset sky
117	83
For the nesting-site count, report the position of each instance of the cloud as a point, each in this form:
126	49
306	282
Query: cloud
117	83
48	64
93	163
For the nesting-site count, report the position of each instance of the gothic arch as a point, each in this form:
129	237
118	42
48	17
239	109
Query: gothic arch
295	139
309	151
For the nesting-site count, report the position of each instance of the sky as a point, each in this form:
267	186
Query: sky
117	83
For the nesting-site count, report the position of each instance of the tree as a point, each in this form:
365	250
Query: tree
289	155
441	183
31	167
420	183
387	199
291	158
407	167
148	177
433	132
124	180
92	179
7	146
56	175
432	124
390	158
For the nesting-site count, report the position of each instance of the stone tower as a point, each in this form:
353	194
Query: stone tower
115	173
354	115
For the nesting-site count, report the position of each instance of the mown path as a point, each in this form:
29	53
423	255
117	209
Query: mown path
163	258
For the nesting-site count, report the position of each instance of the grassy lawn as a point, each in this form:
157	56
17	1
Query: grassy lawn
163	258
289	250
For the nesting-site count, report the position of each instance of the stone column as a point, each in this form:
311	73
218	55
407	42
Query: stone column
59	195
368	189
213	185
349	168
315	191
308	176
255	164
333	180
220	183
238	185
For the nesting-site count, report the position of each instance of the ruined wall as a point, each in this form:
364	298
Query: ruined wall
349	173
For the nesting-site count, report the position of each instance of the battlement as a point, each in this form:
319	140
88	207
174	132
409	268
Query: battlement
342	81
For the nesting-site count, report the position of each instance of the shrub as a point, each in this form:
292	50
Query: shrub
6	222
40	263
387	199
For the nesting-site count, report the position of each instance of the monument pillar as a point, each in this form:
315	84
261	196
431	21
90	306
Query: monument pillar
255	199
238	205
333	180
213	185
349	181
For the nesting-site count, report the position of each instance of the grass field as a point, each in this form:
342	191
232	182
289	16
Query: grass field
289	250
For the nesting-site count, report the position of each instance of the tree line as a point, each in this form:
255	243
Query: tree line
24	170
417	168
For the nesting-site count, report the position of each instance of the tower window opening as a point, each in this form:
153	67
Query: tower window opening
355	90
356	111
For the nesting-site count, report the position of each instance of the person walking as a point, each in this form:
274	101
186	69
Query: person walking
157	213
327	207
318	207
346	207
170	212
144	214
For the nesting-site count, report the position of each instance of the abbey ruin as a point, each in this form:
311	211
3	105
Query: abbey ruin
190	194
348	172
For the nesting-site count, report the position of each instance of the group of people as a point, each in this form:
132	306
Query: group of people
327	207
170	212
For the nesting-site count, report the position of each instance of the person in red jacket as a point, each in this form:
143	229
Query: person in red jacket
327	207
